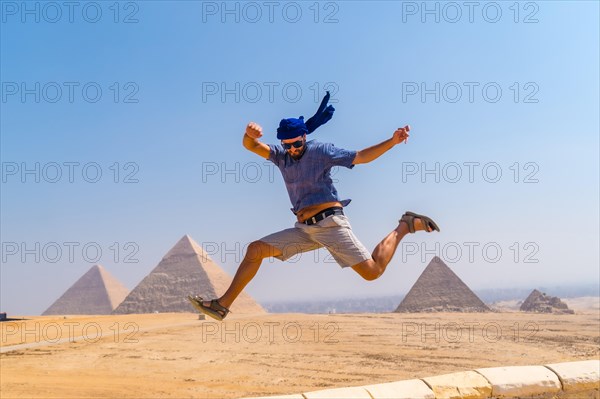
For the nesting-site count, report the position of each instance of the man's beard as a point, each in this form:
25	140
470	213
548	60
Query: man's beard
298	155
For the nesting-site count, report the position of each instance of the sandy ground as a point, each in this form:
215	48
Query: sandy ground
179	356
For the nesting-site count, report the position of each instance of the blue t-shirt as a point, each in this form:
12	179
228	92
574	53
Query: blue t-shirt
308	180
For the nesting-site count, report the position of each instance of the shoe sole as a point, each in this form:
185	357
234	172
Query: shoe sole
202	309
429	221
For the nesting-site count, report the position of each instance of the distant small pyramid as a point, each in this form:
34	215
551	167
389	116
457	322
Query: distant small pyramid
539	302
438	289
96	292
185	269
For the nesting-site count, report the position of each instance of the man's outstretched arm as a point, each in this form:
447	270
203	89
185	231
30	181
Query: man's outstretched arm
371	153
251	143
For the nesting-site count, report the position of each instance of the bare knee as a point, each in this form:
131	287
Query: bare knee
368	276
258	250
369	270
371	275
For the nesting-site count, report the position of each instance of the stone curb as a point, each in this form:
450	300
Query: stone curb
566	380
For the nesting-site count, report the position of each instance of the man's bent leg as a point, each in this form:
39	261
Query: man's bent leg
256	252
371	269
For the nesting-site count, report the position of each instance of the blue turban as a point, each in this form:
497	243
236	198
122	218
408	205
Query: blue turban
292	127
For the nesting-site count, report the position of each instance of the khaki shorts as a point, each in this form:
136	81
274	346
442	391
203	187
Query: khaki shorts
333	232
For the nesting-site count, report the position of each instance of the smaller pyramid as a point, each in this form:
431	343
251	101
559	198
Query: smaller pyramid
439	289
539	302
96	292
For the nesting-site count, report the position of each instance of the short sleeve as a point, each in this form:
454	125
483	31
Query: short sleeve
340	156
276	154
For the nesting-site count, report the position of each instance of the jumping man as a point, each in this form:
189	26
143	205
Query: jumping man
306	169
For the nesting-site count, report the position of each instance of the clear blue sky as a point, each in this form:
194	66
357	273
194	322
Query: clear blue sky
164	123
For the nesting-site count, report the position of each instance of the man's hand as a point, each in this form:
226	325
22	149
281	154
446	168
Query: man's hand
251	143
401	135
253	130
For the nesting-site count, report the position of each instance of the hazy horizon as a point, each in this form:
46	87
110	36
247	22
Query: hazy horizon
553	289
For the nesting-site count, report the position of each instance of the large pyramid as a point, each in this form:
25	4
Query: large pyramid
185	269
96	292
438	289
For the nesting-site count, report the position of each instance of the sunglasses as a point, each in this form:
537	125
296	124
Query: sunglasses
295	144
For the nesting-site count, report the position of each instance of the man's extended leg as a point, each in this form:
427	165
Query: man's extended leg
371	269
291	241
257	251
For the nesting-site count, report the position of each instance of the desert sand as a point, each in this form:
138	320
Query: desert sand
177	356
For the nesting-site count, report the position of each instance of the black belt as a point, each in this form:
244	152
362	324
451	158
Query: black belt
336	210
